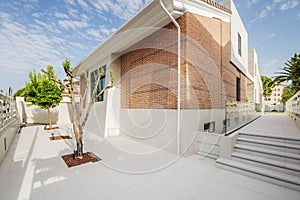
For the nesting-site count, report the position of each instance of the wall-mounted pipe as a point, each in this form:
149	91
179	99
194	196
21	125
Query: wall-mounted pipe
178	81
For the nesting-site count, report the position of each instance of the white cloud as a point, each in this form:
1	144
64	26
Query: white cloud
72	24
77	45
73	12
272	35
271	63
61	15
24	49
298	15
249	3
72	2
283	5
101	33
118	7
84	17
105	30
265	12
95	33
35	37
83	4
36	15
33	1
289	4
47	26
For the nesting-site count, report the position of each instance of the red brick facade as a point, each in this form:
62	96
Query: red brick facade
149	68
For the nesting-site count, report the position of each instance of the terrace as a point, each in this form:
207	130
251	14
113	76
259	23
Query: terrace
34	169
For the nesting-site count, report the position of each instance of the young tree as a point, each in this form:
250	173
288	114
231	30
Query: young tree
80	117
19	93
42	91
268	84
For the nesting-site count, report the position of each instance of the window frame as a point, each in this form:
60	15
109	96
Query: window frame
239	44
101	84
238	89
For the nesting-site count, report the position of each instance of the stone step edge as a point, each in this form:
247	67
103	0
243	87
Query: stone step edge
258	171
269	143
268	151
266	161
270	136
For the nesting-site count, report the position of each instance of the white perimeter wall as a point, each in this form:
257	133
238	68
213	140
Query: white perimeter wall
158	127
7	134
62	114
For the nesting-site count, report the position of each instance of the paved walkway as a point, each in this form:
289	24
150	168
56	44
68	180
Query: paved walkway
34	169
277	124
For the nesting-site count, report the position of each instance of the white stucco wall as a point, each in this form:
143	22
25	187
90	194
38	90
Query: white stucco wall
253	68
96	121
62	114
113	99
237	27
158	127
7	134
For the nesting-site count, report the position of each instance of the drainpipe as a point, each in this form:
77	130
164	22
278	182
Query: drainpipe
178	81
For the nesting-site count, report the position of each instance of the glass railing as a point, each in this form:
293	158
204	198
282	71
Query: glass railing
293	106
7	110
238	114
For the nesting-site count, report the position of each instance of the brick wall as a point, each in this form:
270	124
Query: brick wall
149	68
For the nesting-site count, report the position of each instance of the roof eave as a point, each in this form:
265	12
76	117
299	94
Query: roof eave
137	28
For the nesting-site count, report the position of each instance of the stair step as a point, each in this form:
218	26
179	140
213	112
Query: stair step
272	176
276	145
286	139
283	166
207	155
268	151
278	155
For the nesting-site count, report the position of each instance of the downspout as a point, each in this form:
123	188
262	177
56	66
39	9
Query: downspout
178	80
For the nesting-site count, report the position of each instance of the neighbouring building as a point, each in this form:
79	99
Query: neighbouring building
255	92
273	102
147	103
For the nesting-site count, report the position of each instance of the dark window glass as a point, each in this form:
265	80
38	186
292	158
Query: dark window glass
94	77
238	89
239	44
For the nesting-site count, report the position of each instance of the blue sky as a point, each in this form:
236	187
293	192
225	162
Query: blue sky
36	33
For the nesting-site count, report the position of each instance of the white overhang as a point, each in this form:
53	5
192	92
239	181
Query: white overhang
139	27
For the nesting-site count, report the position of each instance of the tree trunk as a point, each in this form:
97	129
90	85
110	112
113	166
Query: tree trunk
49	118
79	150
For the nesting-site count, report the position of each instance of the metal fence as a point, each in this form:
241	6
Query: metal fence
7	110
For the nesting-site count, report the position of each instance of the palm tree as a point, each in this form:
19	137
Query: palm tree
290	72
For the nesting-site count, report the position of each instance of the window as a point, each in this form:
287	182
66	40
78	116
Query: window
239	44
94	77
238	89
5	146
210	127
